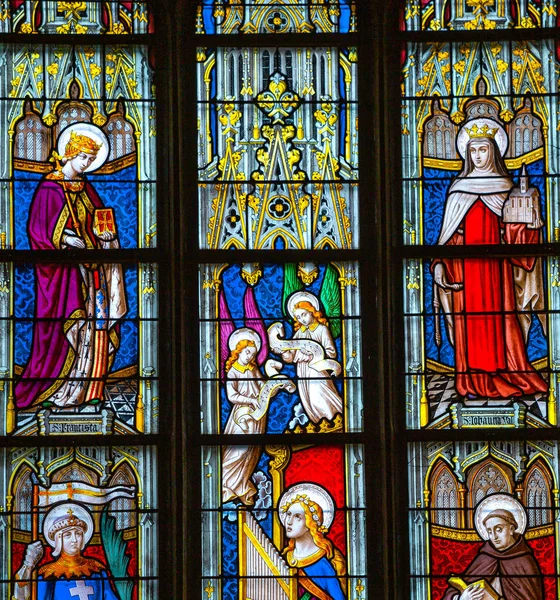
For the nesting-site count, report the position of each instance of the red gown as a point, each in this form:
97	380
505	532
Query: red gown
490	355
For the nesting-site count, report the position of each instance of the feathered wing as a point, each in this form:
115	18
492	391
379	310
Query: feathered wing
254	320
227	327
292	284
331	300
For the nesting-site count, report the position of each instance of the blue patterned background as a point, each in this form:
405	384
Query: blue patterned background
24	308
117	191
268	295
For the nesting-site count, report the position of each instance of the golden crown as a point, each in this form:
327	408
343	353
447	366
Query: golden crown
80	143
66	522
481	132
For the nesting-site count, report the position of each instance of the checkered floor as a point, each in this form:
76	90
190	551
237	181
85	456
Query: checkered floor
121	397
442	393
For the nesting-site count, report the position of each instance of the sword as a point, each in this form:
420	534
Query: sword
436	313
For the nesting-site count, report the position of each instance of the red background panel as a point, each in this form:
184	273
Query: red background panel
323	465
452	557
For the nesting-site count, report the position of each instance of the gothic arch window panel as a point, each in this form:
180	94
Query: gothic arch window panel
75	472
53	485
278	148
31	136
82	18
275	16
488	478
445	497
122	508
538	493
121	134
445	557
23	499
437	15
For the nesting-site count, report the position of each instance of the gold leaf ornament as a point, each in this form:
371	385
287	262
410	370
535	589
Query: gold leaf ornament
72	10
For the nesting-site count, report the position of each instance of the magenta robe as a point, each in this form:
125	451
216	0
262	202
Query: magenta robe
520	576
59	294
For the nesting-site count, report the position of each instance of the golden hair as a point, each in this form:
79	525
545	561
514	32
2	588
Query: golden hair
317	533
241	345
317	314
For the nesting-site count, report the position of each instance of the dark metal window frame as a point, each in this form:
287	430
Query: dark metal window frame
379	42
162	442
396	40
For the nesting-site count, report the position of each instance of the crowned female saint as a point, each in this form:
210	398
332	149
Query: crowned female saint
67	528
486	300
77	306
306	511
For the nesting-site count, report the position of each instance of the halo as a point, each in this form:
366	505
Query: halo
314	492
301	297
244	333
91	131
501	137
496	502
60	510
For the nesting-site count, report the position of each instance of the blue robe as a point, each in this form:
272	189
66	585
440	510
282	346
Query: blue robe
93	587
323	575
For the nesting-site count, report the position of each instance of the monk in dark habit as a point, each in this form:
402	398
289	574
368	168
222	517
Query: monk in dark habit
505	562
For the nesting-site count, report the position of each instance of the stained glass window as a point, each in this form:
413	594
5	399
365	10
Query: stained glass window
480	329
321	394
280	338
275	16
94	504
278	141
75	18
473	15
291	489
79	302
88	99
461	494
479	262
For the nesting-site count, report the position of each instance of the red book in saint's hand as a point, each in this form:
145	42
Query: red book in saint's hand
104	220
